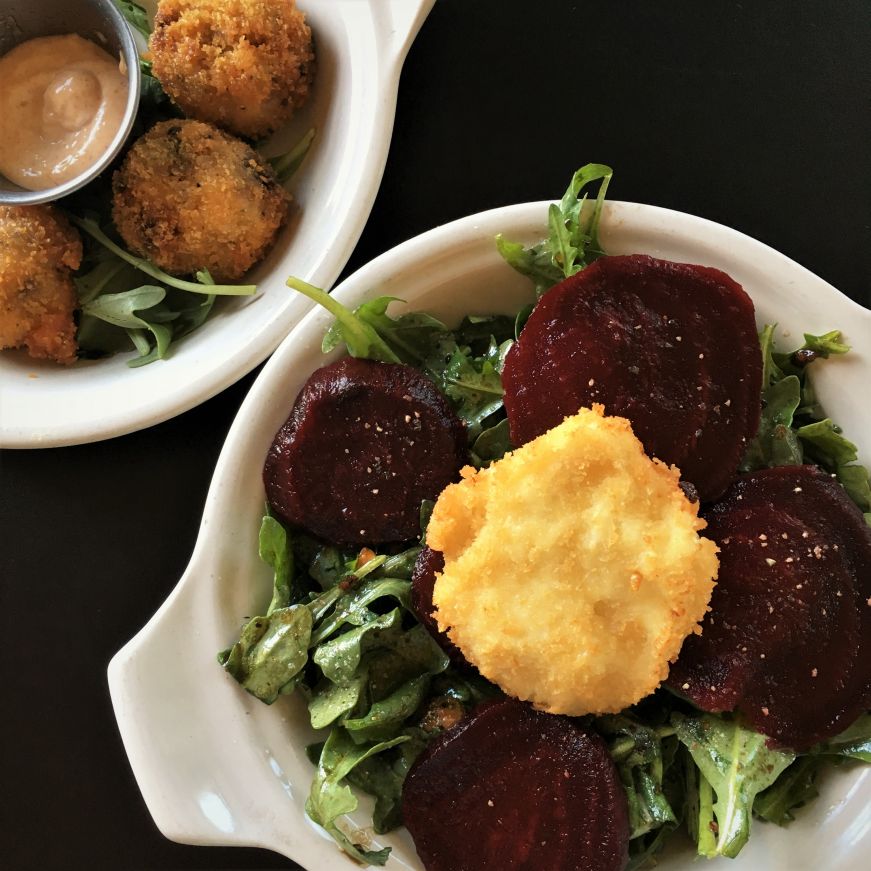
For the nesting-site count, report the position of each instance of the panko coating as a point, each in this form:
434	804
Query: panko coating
573	567
245	65
39	249
189	196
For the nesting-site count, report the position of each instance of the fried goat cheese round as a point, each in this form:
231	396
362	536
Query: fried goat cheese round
574	568
245	65
39	250
189	196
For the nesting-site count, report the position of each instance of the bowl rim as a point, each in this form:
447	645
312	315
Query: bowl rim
130	56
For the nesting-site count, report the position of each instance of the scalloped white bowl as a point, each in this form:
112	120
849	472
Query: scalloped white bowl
360	47
218	767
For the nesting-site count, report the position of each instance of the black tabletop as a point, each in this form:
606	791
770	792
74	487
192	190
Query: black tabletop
752	114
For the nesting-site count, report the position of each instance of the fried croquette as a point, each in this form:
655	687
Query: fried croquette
38	252
573	567
245	65
189	196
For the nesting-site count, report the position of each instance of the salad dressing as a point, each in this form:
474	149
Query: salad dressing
62	102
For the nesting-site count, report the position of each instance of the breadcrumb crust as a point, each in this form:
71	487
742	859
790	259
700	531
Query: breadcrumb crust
573	567
189	196
39	249
245	65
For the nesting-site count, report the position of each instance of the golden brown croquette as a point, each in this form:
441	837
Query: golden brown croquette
245	65
189	196
574	568
38	251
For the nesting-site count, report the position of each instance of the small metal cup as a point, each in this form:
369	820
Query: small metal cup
103	24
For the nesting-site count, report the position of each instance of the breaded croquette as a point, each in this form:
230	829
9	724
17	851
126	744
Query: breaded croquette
189	196
38	252
245	65
573	567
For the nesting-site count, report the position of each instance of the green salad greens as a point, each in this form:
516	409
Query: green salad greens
794	428
339	630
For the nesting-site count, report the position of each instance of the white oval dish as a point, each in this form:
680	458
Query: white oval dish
218	767
360	49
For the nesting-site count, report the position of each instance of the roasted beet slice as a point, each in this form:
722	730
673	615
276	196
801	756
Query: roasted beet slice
787	641
365	444
423	580
515	789
670	346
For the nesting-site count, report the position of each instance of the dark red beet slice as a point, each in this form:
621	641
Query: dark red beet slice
423	580
670	346
788	639
365	444
515	789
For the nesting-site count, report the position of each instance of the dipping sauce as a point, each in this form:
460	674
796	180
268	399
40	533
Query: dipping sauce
62	100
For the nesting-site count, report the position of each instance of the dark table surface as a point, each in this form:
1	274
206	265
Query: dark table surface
752	114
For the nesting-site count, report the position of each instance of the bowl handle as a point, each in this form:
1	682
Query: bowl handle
175	718
403	20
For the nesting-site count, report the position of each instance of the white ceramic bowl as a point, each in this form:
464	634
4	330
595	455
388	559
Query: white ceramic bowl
360	47
218	767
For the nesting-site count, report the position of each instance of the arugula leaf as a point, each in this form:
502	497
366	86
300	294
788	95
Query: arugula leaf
352	609
403	657
270	652
330	798
387	715
331	701
793	428
90	285
771	372
321	604
326	565
792	790
193	309
473	384
383	776
480	331
286	165
573	240
734	765
361	339
536	263
135	15
470	689
408	336
854	743
340	658
638	753
826	344
797	785
400	565
275	551
92	228
825	442
776	443
493	443
856	482
119	310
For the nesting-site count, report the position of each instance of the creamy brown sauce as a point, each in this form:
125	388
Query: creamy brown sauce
62	100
